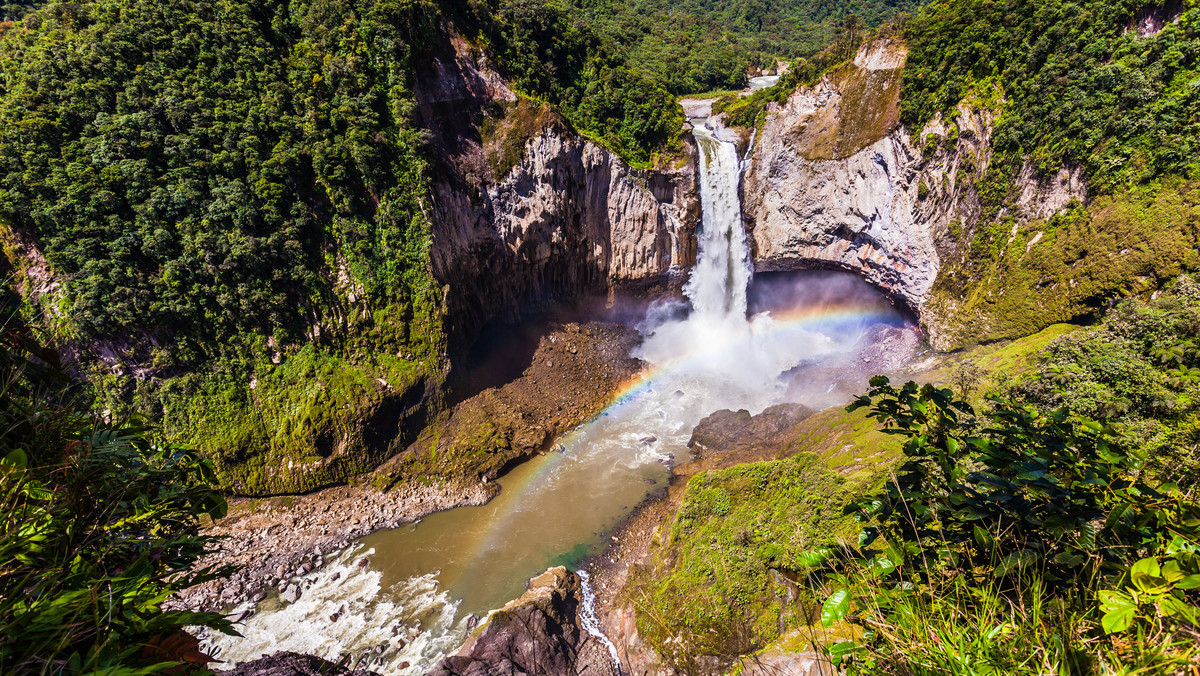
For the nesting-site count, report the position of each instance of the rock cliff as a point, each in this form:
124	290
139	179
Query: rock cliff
835	181
537	633
526	209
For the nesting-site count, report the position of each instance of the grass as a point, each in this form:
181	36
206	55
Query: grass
1070	267
720	584
844	440
995	363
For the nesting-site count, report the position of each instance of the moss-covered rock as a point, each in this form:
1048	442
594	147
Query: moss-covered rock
1013	280
312	420
721	581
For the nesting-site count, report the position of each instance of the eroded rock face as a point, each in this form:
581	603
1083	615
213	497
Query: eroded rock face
833	182
524	208
538	633
836	182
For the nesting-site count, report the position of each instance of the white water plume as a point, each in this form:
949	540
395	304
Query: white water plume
717	287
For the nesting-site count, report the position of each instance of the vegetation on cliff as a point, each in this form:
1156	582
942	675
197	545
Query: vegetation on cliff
1109	86
98	526
1107	90
218	188
210	203
718	585
1070	266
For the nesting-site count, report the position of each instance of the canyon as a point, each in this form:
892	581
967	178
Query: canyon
422	337
528	212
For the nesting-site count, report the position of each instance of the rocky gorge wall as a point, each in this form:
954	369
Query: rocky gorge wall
526	209
835	181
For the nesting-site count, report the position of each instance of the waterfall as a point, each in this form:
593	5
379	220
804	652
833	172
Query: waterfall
560	507
717	287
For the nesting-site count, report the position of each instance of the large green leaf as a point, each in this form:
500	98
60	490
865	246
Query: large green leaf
1119	611
1147	577
835	607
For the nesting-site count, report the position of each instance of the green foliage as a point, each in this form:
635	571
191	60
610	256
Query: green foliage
750	111
1134	369
719	585
1084	86
199	171
98	526
1015	281
693	46
1023	504
553	55
220	185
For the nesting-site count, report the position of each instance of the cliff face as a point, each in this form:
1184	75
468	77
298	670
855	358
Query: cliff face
835	181
525	209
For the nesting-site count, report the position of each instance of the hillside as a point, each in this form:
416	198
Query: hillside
205	203
697	46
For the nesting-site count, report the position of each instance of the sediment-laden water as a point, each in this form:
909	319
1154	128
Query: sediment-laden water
401	599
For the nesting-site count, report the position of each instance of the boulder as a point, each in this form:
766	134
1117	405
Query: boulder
293	664
538	633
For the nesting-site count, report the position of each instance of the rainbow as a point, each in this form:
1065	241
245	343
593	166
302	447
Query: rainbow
810	319
814	319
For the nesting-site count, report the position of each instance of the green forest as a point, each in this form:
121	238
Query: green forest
695	46
216	227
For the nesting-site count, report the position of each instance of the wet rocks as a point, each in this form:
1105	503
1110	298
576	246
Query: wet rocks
291	594
538	633
293	664
725	432
275	541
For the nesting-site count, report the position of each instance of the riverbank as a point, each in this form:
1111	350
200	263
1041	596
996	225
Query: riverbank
571	371
271	541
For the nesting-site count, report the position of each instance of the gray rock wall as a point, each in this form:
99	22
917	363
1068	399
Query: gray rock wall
525	208
836	182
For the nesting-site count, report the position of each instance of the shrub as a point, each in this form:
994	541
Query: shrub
1034	507
98	526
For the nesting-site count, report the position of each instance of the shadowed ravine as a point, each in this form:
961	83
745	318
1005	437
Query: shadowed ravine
401	599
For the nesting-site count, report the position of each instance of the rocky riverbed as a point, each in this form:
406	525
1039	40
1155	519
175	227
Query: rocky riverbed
572	372
273	541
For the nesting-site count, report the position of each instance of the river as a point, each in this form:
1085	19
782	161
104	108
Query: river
399	600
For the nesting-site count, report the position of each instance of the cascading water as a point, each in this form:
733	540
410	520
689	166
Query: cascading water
717	287
421	586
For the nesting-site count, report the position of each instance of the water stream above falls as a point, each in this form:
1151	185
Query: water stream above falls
401	599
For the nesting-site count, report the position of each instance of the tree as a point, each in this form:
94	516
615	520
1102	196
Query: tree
852	26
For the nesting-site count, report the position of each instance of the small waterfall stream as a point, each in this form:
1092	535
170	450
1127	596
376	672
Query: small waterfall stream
404	598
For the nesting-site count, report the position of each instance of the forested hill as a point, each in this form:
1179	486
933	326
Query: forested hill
193	192
691	46
1104	90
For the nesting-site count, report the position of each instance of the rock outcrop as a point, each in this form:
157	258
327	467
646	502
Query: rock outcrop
836	182
293	664
833	181
525	209
538	633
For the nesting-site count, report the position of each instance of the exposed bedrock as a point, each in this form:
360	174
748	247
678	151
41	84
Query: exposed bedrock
537	633
836	182
525	209
833	182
